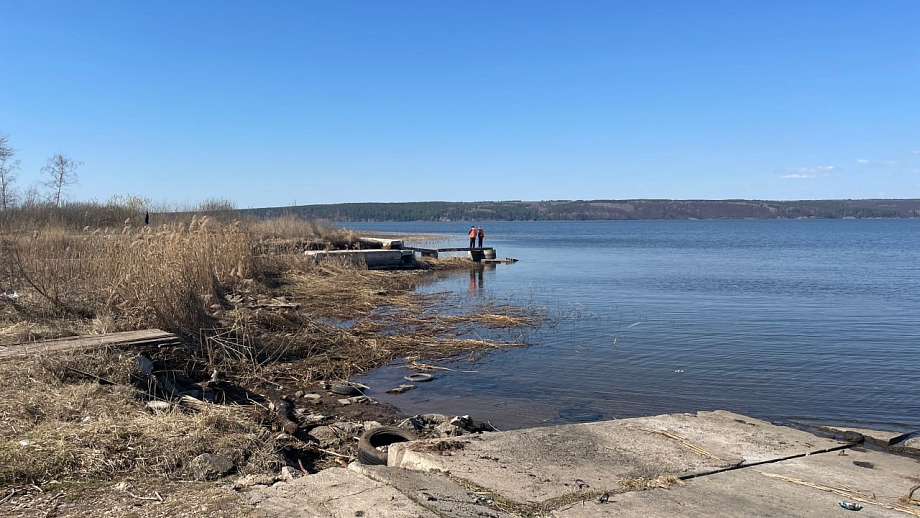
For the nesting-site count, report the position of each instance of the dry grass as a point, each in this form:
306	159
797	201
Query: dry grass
244	300
57	426
137	278
643	484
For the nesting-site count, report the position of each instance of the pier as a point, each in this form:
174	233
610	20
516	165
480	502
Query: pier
382	253
476	254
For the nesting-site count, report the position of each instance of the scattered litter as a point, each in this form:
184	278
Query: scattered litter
603	499
849	506
26	443
634	325
84	420
480	500
679	370
11	295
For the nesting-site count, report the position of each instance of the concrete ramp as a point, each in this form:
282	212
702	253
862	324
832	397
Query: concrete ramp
804	487
540	464
697	465
334	493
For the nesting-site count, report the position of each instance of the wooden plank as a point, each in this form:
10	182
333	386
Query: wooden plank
143	337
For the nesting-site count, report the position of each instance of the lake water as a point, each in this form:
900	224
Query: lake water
813	321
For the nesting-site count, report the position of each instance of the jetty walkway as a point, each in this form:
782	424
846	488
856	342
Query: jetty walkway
392	253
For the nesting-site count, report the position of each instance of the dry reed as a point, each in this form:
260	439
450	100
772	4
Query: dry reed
244	300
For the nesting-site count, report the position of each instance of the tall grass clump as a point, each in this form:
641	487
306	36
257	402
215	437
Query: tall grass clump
133	278
73	215
291	233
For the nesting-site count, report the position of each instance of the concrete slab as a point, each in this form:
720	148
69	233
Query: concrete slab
432	491
371	258
730	465
808	486
334	493
729	435
879	437
539	464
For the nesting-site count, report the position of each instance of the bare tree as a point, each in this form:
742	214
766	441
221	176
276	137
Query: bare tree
61	171
8	167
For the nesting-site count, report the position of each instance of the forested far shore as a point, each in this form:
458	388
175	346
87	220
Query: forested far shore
580	210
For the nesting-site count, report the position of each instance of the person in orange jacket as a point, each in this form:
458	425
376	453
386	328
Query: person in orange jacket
480	234
473	236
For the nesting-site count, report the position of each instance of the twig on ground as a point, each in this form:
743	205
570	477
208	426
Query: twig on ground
7	497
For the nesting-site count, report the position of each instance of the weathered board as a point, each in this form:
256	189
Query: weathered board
143	337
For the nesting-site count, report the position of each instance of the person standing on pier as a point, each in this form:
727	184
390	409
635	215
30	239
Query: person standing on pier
473	236
480	234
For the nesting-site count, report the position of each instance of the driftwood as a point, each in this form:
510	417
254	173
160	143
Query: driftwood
281	411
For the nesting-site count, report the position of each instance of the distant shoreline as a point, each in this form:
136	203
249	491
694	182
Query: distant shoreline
598	210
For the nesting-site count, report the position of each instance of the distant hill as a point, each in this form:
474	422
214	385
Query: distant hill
598	210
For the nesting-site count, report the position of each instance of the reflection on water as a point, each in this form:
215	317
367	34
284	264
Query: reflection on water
477	286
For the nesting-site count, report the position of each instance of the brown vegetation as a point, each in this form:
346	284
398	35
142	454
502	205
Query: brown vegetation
255	317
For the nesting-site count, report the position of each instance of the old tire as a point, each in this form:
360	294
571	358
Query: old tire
418	377
380	436
345	389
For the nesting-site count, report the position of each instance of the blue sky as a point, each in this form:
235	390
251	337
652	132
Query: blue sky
277	103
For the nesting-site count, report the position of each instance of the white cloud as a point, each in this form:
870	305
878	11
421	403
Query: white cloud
882	163
807	172
915	152
916	171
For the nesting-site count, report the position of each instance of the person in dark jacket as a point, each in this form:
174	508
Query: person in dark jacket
480	234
